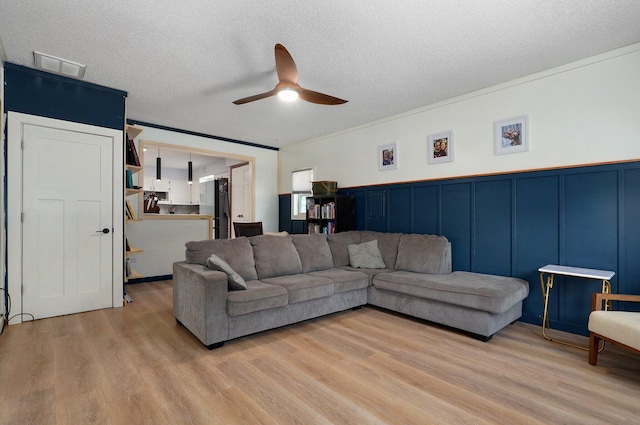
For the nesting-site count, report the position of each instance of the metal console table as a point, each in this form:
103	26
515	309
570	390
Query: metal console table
550	271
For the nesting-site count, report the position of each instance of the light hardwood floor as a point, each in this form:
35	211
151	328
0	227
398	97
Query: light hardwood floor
135	365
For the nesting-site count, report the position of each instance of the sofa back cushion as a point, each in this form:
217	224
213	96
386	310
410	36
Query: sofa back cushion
339	243
236	252
387	243
275	256
313	251
424	254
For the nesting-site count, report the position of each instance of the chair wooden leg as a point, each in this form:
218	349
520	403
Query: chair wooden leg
594	344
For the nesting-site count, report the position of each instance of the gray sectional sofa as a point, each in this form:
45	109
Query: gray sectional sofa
293	278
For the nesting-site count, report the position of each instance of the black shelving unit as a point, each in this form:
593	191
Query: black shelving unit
330	214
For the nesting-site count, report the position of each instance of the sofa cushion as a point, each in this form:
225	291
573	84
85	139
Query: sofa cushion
236	282
258	296
344	280
424	254
620	326
275	256
302	287
366	255
494	294
313	251
387	243
236	252
338	243
371	273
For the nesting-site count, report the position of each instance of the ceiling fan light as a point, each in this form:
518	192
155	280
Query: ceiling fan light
288	94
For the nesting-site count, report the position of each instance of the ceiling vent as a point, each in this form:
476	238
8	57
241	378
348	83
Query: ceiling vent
58	65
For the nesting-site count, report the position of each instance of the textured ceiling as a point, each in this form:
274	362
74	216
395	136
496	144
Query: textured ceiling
184	63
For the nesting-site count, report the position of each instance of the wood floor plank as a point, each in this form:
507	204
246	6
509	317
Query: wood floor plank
135	365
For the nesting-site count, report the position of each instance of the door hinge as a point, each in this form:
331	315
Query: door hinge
22	144
21	217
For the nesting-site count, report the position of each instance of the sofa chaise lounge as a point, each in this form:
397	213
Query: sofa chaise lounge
293	278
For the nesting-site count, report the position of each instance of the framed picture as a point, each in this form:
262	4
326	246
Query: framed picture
512	135
388	157
440	147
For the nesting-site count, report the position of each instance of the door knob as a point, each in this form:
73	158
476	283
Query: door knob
105	231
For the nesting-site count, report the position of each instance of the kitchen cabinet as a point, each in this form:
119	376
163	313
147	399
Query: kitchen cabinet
180	192
151	184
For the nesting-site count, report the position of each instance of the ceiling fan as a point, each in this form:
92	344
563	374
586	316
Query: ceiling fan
288	87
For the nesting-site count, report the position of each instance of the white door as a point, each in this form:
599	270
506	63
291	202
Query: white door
67	224
242	193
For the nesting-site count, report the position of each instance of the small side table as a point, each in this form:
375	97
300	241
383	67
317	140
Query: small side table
550	271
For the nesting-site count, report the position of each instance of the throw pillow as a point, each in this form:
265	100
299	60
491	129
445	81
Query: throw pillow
366	255
236	282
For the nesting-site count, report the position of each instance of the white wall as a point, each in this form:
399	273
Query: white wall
162	242
266	167
583	113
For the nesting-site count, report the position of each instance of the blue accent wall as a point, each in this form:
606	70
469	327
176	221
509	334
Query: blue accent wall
512	224
34	92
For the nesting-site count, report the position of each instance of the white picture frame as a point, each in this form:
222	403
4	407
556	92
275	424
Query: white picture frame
388	157
511	135
436	152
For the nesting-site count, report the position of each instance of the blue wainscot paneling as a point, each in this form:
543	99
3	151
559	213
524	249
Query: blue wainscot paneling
35	92
513	224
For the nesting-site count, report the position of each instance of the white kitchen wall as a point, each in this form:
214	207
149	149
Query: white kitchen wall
582	113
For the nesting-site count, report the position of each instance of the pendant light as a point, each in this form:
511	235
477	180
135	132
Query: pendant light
190	170
158	167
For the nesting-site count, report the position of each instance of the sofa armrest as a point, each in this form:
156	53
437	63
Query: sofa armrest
598	298
200	301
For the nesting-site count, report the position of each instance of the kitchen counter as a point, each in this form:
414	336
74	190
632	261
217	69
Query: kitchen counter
182	217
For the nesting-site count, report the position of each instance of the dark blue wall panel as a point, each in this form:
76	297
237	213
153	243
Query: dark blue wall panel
425	209
400	208
513	224
536	237
629	268
40	93
455	213
590	238
492	244
284	214
377	204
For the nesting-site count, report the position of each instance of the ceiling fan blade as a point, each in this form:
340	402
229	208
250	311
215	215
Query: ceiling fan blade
255	97
285	66
321	98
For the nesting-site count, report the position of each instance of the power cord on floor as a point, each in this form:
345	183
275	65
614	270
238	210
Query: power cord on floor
8	318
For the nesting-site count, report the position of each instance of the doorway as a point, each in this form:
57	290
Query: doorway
241	193
64	229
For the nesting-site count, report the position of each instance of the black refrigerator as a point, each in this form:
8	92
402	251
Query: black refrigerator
214	200
221	209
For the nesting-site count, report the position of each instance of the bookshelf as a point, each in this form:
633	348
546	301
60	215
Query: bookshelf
330	214
132	193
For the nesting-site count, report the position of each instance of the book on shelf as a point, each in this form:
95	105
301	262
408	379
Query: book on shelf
132	153
328	229
329	210
130	213
129	179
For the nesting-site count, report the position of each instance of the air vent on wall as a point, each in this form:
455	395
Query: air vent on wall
58	65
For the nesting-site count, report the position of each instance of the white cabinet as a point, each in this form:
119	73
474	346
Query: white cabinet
179	192
150	183
195	193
